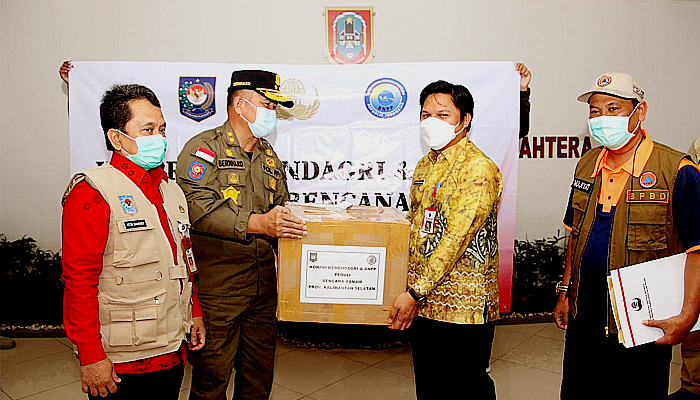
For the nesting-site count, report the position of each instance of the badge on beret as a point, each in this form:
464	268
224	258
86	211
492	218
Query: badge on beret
196	170
648	179
128	204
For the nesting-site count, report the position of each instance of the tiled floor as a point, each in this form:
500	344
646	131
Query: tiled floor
526	364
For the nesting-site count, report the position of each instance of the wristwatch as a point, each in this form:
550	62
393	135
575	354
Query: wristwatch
416	297
561	287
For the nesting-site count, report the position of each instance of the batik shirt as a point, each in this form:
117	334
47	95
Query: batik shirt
454	261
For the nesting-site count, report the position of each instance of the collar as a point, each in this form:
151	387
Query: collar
640	158
232	140
451	153
134	172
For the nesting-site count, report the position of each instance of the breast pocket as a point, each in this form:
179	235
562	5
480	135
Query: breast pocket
647	227
579	204
135	244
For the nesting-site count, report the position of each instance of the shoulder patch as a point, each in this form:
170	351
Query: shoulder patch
205	154
196	170
580	184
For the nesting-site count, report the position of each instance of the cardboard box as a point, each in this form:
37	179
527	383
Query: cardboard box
348	270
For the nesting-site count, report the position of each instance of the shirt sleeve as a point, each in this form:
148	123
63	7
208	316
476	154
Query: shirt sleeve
686	206
474	200
524	113
569	215
196	305
85	226
209	211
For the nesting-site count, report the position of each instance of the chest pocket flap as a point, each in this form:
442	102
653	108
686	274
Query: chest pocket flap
136	242
647	227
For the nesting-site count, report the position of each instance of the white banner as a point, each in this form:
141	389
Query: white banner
353	132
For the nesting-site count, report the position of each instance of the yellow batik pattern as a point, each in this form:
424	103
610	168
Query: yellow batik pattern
456	267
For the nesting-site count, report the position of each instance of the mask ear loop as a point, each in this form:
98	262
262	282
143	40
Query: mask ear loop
123	149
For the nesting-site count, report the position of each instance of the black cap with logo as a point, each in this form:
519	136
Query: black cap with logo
265	83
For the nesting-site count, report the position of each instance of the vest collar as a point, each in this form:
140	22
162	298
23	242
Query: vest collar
642	154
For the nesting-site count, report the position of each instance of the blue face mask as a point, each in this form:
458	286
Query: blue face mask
611	131
151	150
265	121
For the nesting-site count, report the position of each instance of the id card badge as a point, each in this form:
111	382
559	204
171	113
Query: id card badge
186	243
428	225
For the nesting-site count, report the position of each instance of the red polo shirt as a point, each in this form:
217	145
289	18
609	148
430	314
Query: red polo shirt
85	228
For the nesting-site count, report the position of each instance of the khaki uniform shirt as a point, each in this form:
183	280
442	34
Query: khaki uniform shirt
456	267
223	186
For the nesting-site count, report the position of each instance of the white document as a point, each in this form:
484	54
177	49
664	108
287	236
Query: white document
342	274
650	290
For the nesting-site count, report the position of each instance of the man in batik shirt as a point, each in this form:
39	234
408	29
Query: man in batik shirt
453	261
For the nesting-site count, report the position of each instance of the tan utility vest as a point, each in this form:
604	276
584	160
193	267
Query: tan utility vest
645	233
145	300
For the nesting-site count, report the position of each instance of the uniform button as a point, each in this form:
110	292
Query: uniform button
611	180
609	197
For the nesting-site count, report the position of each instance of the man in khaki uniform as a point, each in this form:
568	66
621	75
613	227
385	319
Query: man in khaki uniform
236	189
690	349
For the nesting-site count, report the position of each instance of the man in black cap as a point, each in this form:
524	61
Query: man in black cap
236	189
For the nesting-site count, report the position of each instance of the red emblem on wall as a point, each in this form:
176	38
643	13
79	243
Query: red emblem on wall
349	35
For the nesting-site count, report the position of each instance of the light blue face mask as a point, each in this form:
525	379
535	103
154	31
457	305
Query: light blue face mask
611	131
150	150
265	121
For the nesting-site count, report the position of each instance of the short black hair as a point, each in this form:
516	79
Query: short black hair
233	93
460	96
115	109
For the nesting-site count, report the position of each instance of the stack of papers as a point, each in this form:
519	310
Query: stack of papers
650	290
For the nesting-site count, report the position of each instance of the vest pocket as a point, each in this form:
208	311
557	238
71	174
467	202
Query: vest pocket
579	202
647	227
136	322
135	246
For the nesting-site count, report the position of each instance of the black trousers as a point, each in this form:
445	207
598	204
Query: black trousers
599	367
163	384
241	334
450	360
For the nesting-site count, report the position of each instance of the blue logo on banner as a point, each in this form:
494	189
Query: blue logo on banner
196	96
385	98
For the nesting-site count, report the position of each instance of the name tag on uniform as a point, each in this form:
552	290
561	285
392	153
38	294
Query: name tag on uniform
135	225
229	163
271	171
579	184
648	196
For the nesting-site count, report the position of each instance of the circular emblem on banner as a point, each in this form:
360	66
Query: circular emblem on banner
648	179
371	260
385	98
604	81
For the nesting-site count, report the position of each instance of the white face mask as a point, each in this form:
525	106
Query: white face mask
611	131
438	133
